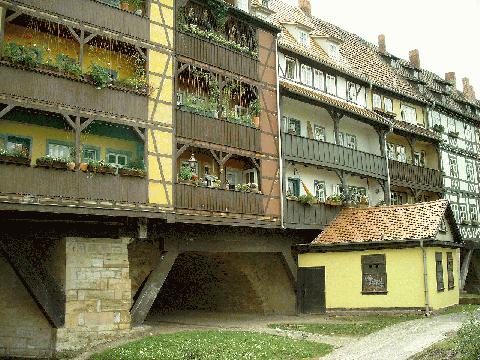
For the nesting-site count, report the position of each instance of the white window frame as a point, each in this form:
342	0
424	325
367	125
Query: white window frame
117	157
377	101
419	158
319	188
409	114
62	151
388	108
319	130
470	170
306	75
453	165
352	97
318	80
331	84
293	62
304	37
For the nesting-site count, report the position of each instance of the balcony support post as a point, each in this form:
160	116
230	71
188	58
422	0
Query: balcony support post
336	117
412	142
382	138
3	12
78	133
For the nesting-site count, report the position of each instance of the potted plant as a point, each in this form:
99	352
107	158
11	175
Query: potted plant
52	162
438	128
17	157
71	165
83	166
307	199
135	168
255	111
185	174
100	76
101	167
335	200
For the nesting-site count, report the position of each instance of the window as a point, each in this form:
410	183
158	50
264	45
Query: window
306	75
434	119
16	144
470	169
318	80
396	152
234	177
250	176
473	212
59	150
294	126
398	198
319	187
388	104
291	68
439	268
450	125
331	85
451	278
455	211
443	226
293	187
419	158
352	92
347	140
303	38
463	213
90	153
118	159
452	159
377	101
409	114
318	133
356	192
333	50
374	274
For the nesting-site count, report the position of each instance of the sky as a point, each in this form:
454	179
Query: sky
446	32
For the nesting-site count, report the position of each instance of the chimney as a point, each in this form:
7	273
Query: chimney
382	47
414	58
451	77
468	90
306	7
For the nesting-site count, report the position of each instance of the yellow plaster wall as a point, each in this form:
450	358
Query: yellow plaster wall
41	134
405	286
160	109
54	45
429	149
445	298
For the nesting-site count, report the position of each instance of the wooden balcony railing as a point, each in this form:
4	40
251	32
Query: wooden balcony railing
218	200
299	216
216	55
417	177
23	180
321	153
41	86
217	131
98	14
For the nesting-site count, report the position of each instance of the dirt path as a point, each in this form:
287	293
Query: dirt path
400	341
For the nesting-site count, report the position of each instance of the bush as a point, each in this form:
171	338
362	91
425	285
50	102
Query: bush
101	77
307	199
68	65
186	173
28	56
468	339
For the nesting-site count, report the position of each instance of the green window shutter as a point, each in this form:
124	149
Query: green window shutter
439	271
451	277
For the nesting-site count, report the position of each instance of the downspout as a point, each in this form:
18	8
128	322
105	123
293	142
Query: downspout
279	123
425	279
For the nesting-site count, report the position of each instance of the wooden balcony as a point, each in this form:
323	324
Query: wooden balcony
97	13
37	85
40	182
309	151
217	131
416	177
218	200
299	216
216	55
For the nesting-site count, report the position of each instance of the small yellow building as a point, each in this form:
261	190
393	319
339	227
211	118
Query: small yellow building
392	257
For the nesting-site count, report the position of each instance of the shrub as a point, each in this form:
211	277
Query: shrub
307	199
27	56
101	77
468	339
186	173
68	65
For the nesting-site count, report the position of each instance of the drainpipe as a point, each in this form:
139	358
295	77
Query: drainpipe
279	123
425	279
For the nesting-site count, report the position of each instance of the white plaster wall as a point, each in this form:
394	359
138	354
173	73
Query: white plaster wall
308	174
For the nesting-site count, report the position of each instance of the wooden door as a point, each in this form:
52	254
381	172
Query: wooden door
311	290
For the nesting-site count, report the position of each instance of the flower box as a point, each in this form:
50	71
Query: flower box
15	160
132	172
102	169
333	203
51	164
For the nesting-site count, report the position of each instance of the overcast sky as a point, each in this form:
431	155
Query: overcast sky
446	32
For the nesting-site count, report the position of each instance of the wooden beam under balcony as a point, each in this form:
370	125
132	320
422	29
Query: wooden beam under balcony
317	216
335	157
415	177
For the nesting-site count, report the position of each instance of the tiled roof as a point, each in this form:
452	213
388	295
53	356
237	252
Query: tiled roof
387	223
419	130
334	101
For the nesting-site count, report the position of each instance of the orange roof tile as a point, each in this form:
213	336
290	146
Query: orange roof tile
387	223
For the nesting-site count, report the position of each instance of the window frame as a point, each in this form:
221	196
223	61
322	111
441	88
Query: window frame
439	271
334	78
294	68
318	192
298	125
91	148
450	275
379	97
412	110
6	137
318	74
306	75
390	101
374	267
296	186
70	145
315	127
127	154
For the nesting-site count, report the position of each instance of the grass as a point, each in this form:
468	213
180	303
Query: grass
464	308
444	350
348	325
216	345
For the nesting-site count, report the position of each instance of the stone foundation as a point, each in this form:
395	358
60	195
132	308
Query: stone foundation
98	292
24	330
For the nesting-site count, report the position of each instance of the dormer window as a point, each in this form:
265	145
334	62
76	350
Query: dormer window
329	44
304	38
448	88
333	50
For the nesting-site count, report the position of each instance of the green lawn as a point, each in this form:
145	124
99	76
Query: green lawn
444	350
216	345
460	308
348	325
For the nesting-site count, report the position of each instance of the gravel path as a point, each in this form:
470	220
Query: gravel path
400	341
